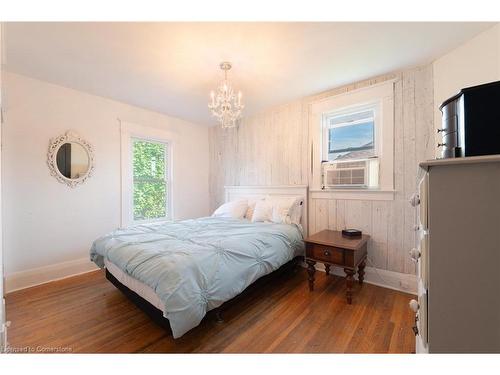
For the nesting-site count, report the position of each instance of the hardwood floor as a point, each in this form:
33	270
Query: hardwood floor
88	314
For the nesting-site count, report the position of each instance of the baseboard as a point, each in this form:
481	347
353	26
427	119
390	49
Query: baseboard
42	275
388	279
20	280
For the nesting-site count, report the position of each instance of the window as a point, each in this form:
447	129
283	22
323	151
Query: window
150	180
147	173
349	152
350	135
352	144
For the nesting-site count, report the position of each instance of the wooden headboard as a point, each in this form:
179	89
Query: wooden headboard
235	192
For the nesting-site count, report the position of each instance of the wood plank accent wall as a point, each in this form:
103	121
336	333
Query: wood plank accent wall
273	148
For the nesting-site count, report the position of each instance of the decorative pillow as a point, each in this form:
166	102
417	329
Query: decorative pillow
263	211
235	209
286	210
251	207
296	215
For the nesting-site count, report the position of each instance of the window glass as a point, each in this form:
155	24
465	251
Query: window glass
150	196
351	136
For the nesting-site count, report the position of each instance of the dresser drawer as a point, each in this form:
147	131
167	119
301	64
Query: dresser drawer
325	253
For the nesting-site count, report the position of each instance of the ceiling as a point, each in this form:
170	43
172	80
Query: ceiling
171	67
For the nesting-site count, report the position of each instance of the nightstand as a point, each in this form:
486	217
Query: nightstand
331	248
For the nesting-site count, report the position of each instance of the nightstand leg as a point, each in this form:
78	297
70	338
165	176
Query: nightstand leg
348	282
327	269
311	270
361	272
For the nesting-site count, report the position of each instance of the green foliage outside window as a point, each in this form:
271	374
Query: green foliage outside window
150	188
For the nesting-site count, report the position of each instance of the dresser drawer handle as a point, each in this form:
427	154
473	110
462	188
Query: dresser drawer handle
414	305
327	253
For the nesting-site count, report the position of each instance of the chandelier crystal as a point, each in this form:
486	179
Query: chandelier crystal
225	104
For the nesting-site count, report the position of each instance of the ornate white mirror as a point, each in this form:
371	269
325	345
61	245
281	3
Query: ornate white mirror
70	159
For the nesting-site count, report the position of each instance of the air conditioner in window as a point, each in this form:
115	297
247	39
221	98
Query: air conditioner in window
350	174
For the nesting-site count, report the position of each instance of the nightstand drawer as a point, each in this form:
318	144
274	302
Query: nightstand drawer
325	253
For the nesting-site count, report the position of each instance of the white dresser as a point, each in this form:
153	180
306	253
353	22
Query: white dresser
458	255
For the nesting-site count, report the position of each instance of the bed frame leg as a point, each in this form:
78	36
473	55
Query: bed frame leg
218	316
296	265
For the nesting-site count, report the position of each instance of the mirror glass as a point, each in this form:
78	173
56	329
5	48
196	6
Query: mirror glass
73	161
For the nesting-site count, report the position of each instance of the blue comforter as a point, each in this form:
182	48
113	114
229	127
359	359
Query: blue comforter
196	265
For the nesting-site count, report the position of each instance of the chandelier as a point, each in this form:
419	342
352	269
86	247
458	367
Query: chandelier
225	104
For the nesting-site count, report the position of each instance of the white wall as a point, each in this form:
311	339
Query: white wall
473	63
46	222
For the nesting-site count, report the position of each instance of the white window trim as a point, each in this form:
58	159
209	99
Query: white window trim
128	132
381	94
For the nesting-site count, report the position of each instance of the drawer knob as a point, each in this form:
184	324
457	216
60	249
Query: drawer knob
414	305
327	253
414	254
441	144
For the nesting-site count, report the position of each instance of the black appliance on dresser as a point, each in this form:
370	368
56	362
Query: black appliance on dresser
471	122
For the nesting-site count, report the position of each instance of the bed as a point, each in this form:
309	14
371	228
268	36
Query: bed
178	271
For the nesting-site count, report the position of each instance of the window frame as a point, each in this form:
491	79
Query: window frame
129	132
381	93
168	184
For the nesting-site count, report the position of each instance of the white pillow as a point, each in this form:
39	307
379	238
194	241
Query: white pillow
296	214
284	209
263	211
235	209
251	207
